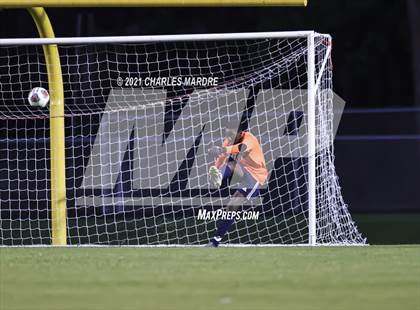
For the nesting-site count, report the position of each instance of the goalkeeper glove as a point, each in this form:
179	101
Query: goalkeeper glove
215	151
215	177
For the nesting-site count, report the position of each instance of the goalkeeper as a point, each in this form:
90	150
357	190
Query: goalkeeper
241	157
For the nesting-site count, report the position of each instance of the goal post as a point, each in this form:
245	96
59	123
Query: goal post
149	3
311	140
57	137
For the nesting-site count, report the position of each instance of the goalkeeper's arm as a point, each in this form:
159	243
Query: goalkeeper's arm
235	149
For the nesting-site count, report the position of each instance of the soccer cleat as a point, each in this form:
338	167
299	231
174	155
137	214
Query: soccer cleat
215	177
214	242
211	245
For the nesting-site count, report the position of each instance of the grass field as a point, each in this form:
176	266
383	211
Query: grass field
374	277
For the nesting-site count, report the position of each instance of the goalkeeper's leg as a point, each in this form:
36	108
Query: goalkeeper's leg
249	188
216	176
223	226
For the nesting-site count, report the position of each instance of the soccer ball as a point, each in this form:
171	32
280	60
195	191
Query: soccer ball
38	97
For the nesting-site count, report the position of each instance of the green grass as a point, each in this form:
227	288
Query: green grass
375	277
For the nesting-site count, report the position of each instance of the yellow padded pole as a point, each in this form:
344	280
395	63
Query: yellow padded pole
57	147
149	3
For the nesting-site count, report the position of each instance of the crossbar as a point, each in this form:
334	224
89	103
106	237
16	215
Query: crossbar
148	3
159	38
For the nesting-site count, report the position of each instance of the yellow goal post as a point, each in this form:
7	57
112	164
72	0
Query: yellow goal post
55	80
147	3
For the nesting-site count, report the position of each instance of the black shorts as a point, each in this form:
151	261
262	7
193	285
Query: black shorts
249	187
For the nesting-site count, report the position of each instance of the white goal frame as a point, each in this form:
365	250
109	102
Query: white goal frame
313	81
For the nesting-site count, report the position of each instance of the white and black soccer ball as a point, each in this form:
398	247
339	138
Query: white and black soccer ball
38	97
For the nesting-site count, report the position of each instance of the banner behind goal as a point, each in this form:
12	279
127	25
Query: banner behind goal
141	114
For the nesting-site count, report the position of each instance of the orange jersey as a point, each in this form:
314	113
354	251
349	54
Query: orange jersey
253	160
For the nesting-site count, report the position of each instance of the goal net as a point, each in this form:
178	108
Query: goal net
142	113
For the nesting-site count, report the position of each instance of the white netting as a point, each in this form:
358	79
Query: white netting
137	134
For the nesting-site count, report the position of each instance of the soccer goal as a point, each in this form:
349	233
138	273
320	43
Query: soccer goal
140	116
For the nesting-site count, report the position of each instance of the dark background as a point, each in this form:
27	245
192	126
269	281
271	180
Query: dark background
376	56
373	50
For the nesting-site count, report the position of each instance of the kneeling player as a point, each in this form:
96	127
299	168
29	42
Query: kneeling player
242	158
